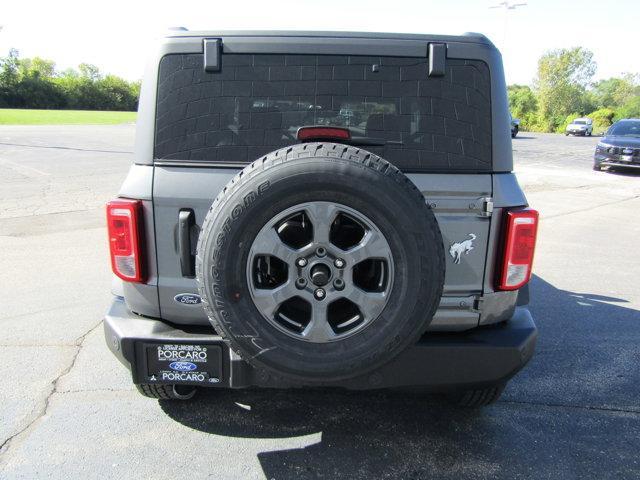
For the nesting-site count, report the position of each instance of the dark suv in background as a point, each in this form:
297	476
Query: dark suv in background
620	146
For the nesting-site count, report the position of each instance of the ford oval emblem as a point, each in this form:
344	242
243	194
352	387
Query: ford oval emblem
182	366
188	298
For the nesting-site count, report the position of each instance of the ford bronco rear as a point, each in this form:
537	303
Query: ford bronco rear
322	209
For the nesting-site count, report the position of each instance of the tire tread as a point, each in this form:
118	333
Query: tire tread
291	154
161	392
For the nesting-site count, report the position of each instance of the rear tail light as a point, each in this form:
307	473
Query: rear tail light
323	133
521	227
125	238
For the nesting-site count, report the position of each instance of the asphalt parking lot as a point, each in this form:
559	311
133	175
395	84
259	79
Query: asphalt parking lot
68	409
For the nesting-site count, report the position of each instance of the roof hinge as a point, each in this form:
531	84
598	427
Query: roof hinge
486	206
212	54
478	303
437	59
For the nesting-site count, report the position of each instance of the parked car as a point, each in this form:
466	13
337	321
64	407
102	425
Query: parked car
620	146
580	126
515	127
255	247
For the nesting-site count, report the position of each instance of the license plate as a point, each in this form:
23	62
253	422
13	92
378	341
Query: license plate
626	158
183	363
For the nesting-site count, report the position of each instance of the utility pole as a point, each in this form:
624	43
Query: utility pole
507	6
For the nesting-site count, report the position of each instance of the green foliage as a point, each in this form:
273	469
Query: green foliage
8	76
36	68
522	99
563	76
631	109
89	71
616	92
602	119
523	105
35	83
562	92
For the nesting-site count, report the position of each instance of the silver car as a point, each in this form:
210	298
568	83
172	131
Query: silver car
580	126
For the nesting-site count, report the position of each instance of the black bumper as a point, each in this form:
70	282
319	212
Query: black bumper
604	160
481	357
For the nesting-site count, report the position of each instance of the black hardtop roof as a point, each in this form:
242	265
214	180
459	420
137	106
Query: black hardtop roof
467	37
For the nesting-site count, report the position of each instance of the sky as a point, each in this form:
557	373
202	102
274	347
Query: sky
117	35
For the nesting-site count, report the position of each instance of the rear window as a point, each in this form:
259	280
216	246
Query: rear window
256	103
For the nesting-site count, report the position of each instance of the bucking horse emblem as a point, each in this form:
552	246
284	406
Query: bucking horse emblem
457	249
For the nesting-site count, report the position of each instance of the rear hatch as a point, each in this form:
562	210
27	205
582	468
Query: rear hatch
424	104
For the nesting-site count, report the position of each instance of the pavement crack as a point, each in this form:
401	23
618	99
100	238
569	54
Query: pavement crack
568	405
64	148
627	199
66	392
44	408
48	310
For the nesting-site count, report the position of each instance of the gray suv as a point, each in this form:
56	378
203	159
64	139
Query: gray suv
322	209
580	126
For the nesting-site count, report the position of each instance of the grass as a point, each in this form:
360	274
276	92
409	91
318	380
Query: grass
10	116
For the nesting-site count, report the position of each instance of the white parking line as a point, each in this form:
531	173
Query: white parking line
23	169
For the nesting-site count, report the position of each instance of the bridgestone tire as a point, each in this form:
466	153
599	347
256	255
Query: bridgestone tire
320	172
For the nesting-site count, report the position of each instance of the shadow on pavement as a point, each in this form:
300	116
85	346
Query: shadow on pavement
587	354
624	172
387	434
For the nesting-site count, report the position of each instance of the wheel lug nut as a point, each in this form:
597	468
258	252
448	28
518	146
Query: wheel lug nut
301	262
319	293
321	252
339	263
338	283
301	283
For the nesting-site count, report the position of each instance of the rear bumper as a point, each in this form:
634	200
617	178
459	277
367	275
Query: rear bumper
481	357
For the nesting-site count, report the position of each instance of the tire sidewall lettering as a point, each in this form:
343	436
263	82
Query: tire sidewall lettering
239	211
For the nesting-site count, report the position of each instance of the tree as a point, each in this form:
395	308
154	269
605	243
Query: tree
523	104
561	82
8	78
37	68
89	71
602	118
631	109
522	100
35	83
615	92
34	91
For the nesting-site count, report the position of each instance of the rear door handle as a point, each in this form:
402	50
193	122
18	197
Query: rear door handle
187	260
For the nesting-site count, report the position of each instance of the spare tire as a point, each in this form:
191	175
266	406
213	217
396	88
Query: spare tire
320	262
